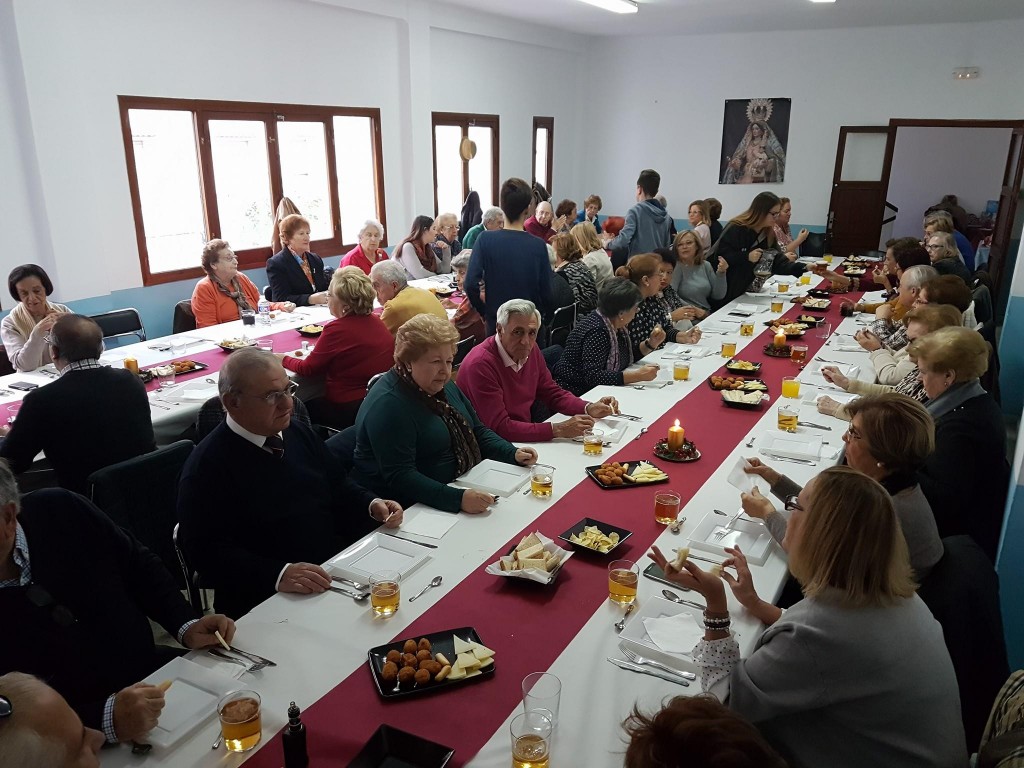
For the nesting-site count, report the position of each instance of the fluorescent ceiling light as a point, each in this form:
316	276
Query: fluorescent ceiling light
618	6
823	1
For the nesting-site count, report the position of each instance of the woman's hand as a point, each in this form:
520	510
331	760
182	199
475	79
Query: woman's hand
833	375
646	372
754	256
691	336
706	583
558	223
868	340
657	337
287	306
449	304
526	457
475	502
756	505
45	325
318	298
762	470
723	266
742	584
828	406
791	256
801	236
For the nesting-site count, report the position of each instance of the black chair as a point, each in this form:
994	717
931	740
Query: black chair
373	380
193	583
462	349
266	293
141	496
962	592
211	414
121	322
562	321
343	446
183	319
813	246
5	363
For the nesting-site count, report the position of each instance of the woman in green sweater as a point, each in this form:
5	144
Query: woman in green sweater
416	432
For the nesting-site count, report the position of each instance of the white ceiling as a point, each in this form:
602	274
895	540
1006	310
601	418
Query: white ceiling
680	17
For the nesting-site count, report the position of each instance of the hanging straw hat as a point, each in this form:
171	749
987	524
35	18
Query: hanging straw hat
467	149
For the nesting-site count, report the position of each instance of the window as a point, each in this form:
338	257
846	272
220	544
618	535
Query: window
543	148
204	169
455	177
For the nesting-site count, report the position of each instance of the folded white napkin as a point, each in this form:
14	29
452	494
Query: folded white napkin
675	634
745	483
218	665
848	348
685	351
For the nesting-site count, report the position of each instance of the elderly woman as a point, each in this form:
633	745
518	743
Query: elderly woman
647	328
569	264
353	347
857	673
466	319
539	225
942	221
368	252
700	222
591	207
493	219
594	254
416	252
416	432
400	300
696	282
446	244
224	293
889	439
295	274
967	476
26	327
599	349
790	245
565	214
945	257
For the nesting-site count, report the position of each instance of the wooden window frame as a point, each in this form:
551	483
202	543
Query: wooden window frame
203	111
549	123
464	120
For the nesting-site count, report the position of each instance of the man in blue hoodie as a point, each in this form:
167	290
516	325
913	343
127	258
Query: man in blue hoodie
647	223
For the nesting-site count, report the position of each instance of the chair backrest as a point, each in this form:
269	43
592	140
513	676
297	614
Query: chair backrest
462	349
983	311
183	319
5	362
121	322
192	585
211	414
562	321
814	245
373	380
343	446
141	495
266	293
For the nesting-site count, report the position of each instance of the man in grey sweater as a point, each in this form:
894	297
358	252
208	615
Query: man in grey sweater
647	223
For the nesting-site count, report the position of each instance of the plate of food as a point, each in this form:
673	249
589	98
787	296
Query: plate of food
590	535
626	474
392	746
737	384
535	558
686	453
230	345
435	662
791	330
817	305
311	331
743	367
810	320
182	367
818	293
745	400
772	351
854	271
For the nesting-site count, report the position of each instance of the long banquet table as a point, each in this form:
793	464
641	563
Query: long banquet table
320	642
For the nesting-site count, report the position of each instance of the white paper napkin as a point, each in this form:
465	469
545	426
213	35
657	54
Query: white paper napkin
848	348
746	483
422	520
690	351
675	634
218	665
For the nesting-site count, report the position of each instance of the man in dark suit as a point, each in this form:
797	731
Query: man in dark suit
261	500
295	274
89	418
76	595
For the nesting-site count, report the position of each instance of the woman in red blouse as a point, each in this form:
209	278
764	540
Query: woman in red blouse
351	349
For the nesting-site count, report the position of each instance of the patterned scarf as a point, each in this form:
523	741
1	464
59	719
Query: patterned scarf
614	362
236	293
464	444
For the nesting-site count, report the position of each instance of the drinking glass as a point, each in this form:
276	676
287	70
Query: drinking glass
747	328
777	306
791	387
824	330
265	345
805	279
623	576
783	287
178	348
165	375
788	417
385	593
827	258
728	349
541	693
593	442
681	370
542	479
248	317
531	740
666	507
240	724
12	412
798	353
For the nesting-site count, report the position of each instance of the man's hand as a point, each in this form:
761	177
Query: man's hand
526	457
304	579
474	502
200	634
136	711
606	406
388	512
572	427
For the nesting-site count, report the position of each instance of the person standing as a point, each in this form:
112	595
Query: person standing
647	223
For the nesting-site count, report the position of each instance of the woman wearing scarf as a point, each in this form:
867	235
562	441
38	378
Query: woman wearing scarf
416	432
25	329
967	476
221	296
599	348
417	253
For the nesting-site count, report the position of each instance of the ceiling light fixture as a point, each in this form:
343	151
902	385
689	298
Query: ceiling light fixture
823	1
615	6
966	73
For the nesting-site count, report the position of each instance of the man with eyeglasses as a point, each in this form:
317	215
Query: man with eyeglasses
88	418
261	500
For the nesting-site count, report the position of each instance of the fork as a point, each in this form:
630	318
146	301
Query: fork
636	658
248	668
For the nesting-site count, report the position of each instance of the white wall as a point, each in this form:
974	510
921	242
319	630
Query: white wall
928	163
658	101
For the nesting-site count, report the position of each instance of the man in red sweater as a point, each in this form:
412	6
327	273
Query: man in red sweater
506	373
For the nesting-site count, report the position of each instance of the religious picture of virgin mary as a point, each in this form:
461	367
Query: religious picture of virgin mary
754	138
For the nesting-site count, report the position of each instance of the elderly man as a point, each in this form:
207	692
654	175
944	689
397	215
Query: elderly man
76	596
540	224
39	730
400	300
493	219
261	500
506	373
89	418
884	332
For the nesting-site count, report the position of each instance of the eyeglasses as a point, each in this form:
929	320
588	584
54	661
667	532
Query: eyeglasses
774	214
793	503
853	434
272	398
933	247
6	708
49	341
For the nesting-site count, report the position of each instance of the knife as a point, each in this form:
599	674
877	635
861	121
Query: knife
815	426
777	457
412	541
647	671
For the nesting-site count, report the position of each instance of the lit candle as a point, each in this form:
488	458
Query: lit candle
780	339
675	437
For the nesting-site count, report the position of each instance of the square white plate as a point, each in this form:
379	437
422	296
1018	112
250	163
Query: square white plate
749	535
792	446
849	370
189	702
378	552
811	396
198	391
495	477
635	633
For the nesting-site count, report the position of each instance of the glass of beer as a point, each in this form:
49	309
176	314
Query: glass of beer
783	287
777	306
798	353
666	507
623	576
542	477
240	720
788	417
827	258
791	387
531	739
805	279
728	349
593	443
681	370
747	328
385	593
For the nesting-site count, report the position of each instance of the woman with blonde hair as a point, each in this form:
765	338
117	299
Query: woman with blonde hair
351	349
945	257
570	267
857	673
651	327
700	222
594	255
697	282
416	432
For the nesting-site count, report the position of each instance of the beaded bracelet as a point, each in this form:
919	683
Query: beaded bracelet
717	627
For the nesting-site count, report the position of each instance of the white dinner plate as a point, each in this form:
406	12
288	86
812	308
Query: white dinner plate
378	552
197	391
792	446
189	702
749	535
495	477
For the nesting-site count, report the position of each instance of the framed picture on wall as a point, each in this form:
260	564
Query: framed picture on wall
755	134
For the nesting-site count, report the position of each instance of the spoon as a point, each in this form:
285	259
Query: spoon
621	623
675	526
642	433
357	596
669	594
434	582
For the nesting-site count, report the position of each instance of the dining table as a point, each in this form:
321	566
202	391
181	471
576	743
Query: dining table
320	642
